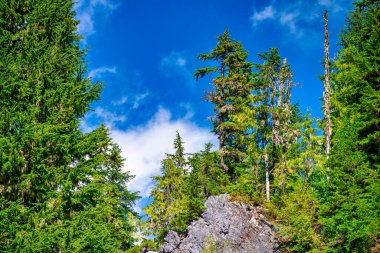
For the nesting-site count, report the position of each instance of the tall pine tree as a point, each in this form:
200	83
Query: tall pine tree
61	189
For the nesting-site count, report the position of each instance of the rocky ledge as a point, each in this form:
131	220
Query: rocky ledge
225	227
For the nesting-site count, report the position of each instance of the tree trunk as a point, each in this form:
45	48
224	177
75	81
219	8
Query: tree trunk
267	183
222	151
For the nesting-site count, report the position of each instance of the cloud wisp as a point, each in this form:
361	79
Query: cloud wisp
267	13
98	72
138	99
87	10
175	64
289	19
109	117
296	18
120	101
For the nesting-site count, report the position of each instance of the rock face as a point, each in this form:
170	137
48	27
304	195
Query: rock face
225	227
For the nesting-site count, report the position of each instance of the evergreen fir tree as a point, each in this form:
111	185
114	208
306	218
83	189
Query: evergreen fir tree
168	194
61	189
179	155
179	194
212	179
294	203
351	199
231	89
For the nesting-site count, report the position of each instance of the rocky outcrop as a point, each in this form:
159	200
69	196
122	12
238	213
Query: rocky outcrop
225	227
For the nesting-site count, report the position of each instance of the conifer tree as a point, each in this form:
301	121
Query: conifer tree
294	203
274	112
286	153
179	155
193	199
204	165
168	194
350	210
179	194
231	89
62	190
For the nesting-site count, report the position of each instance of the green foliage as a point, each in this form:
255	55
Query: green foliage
144	246
260	134
282	152
278	142
206	172
180	192
294	204
168	194
295	214
61	189
351	198
210	245
167	198
274	156
231	90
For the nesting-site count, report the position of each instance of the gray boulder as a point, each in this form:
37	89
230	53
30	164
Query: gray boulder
225	227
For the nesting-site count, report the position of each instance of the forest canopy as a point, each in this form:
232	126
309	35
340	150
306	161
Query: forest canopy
63	189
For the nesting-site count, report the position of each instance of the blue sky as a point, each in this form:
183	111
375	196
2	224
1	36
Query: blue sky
146	53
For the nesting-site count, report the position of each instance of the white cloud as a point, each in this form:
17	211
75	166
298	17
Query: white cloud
145	146
87	10
138	99
121	101
134	102
86	25
174	60
98	72
108	117
289	19
298	18
267	13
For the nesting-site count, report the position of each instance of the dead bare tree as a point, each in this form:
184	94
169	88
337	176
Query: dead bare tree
326	93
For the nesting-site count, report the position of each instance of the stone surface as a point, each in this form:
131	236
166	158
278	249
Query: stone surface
225	227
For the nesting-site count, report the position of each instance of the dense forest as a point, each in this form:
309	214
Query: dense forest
63	190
